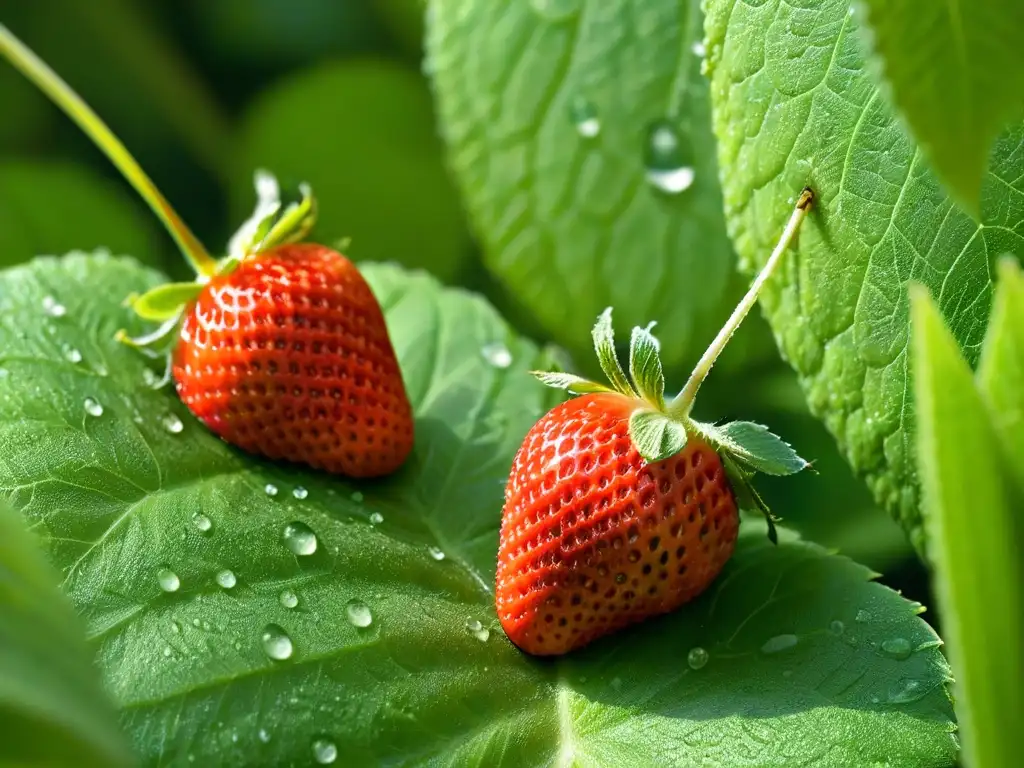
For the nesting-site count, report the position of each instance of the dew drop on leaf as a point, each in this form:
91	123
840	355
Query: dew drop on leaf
93	407
270	489
53	307
478	630
72	355
698	49
299	492
779	643
167	651
227	579
175	627
168	580
697	658
171	423
358	613
862	617
497	354
376	518
584	116
665	160
325	751
288	599
4	373
202	523
907	691
276	643
357	497
299	538
435	552
263	735
897	648
837	627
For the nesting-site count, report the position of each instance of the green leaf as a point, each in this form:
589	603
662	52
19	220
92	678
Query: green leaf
361	134
124	495
645	366
579	135
568	381
756	447
1001	368
656	435
604	345
795	105
54	710
956	74
974	528
165	301
54	207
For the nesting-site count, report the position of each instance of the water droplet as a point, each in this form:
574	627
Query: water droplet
862	616
171	423
699	49
4	373
270	489
168	580
665	160
276	643
837	627
53	308
359	614
779	643
92	407
288	599
167	651
435	552
357	497
227	579
376	518
175	627
584	117
299	538
196	623
478	630
263	735
325	751
299	492
497	354
897	647
202	522
72	355
907	691
697	658
616	683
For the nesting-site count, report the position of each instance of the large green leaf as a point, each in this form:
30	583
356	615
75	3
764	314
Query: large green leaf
956	73
975	531
396	655
53	710
52	207
362	134
793	105
572	129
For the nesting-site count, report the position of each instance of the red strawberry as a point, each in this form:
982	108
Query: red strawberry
621	506
594	538
288	356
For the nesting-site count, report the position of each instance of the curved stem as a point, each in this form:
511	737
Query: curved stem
50	83
683	402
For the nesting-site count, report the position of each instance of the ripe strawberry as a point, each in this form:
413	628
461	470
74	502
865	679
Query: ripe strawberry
620	506
594	538
288	356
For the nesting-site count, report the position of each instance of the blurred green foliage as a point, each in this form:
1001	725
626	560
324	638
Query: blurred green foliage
204	92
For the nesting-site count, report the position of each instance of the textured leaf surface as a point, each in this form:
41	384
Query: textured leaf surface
974	526
371	156
956	74
558	114
796	667
54	711
793	105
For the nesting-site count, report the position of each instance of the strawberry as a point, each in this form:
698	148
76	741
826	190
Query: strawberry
282	349
288	356
620	506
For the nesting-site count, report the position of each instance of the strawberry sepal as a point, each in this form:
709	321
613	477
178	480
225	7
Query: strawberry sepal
656	436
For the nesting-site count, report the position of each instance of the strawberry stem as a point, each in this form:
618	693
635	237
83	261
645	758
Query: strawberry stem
683	402
50	83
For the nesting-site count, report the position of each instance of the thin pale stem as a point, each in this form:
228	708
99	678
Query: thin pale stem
50	83
683	402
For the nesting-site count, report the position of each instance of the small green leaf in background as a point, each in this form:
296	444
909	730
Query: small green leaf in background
53	710
362	134
1001	368
956	75
52	207
795	105
975	531
251	613
579	133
